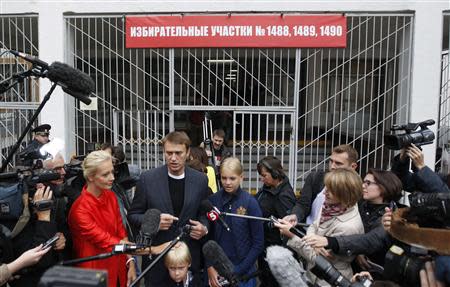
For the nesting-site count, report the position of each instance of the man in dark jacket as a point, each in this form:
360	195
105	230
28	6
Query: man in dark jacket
40	138
177	191
312	196
422	178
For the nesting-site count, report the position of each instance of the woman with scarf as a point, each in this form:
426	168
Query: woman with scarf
339	216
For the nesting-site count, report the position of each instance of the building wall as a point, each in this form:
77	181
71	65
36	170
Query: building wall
427	45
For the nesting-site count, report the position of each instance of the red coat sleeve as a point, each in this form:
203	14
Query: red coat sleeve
81	220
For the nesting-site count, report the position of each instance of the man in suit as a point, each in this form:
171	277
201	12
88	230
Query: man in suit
312	196
177	191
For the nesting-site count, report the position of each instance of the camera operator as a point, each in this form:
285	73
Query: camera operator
39	227
429	275
59	208
422	178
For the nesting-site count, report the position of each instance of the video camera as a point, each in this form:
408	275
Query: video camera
32	156
429	209
421	137
14	184
403	267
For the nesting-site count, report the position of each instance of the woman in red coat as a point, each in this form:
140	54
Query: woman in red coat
95	221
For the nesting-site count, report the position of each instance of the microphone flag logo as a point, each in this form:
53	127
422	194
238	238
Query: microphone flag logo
212	215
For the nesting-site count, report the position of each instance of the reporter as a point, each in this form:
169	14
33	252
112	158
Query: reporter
95	221
27	258
339	216
379	189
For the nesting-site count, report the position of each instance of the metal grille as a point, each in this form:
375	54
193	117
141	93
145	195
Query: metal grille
292	103
269	133
140	133
216	78
354	95
18	104
136	81
444	102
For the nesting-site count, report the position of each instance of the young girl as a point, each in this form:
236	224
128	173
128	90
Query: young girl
339	216
244	243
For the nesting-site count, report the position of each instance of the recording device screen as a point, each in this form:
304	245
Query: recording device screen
51	241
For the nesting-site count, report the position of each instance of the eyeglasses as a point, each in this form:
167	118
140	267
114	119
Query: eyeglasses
368	182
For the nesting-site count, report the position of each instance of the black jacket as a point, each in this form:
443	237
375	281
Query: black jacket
424	180
277	202
375	241
34	233
152	191
313	186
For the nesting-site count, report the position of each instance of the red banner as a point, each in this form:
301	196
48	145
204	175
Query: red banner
252	30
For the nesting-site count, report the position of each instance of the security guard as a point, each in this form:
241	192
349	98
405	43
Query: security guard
41	133
41	137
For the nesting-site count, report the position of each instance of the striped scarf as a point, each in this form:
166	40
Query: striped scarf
331	210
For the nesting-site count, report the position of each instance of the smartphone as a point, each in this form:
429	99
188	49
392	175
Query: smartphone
393	205
51	241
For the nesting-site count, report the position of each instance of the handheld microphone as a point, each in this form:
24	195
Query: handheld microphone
33	60
127	248
213	213
149	227
214	254
285	268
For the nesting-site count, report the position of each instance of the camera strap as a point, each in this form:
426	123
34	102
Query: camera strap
24	217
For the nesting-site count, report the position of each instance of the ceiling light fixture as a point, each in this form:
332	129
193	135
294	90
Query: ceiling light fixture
220	61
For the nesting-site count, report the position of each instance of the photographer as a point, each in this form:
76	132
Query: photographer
38	228
59	201
422	178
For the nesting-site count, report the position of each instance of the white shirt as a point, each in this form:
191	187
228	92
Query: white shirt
316	206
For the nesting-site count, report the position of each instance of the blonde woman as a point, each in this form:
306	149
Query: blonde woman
339	216
95	222
245	242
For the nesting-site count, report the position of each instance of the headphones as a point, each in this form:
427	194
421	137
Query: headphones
273	172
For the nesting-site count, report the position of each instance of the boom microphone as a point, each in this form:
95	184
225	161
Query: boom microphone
33	60
213	213
73	81
284	267
149	227
215	255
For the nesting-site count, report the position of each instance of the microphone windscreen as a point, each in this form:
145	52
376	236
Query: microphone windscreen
206	206
215	255
74	79
284	267
150	222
